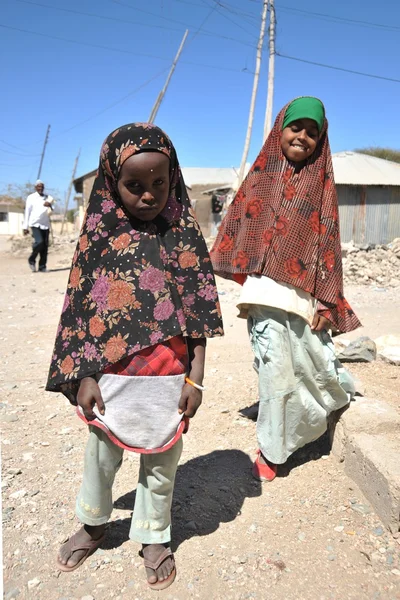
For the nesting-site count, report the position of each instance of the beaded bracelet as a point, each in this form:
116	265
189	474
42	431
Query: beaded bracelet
195	385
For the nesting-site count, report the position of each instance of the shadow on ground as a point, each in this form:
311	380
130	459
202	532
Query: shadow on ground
209	490
313	451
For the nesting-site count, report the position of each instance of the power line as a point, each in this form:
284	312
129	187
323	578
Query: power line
310	62
125	21
7	151
152	14
16	147
333	18
103	110
121	51
229	19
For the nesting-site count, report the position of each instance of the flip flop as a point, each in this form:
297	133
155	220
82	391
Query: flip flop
90	548
160	585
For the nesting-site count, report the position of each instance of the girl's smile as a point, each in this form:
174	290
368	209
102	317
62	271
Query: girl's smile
299	139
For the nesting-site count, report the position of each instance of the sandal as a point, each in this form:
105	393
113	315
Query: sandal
263	472
90	548
160	585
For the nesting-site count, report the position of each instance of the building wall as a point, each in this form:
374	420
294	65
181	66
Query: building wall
87	188
13	225
369	214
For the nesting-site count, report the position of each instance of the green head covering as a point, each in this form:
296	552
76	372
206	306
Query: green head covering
305	107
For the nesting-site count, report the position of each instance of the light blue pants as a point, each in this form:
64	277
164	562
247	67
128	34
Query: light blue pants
151	519
300	381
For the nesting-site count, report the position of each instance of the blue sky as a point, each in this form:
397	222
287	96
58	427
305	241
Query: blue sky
70	84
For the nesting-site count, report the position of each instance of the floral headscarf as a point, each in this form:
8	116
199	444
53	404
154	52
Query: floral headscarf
285	225
132	284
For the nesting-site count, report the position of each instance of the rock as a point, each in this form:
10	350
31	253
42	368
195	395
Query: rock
363	509
8	418
386	341
363	349
391	355
18	494
191	526
11	594
367	264
33	583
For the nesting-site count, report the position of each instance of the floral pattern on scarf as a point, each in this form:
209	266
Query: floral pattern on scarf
132	284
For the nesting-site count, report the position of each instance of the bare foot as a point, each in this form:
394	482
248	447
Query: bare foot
152	553
86	534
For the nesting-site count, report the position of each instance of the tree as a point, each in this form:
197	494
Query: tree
386	153
18	193
71	215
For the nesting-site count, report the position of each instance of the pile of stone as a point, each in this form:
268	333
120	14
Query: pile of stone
363	349
371	264
22	245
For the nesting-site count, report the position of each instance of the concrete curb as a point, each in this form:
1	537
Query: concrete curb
367	439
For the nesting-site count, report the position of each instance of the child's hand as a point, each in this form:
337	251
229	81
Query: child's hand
320	323
190	401
89	394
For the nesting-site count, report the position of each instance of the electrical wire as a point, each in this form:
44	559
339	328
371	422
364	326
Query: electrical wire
230	19
213	34
121	51
125	21
333	18
310	62
110	106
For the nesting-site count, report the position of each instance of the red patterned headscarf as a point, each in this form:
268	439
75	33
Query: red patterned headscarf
285	225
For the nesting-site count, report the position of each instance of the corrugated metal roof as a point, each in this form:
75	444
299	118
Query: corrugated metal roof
354	168
214	177
204	176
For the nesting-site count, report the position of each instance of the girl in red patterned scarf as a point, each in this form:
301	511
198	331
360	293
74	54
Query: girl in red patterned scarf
130	347
280	240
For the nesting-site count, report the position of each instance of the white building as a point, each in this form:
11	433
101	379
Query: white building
11	216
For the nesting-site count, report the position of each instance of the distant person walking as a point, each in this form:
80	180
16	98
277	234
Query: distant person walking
37	209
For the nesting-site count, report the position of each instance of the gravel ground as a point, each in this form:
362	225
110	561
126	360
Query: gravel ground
308	535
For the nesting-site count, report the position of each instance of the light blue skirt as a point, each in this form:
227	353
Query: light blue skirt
300	381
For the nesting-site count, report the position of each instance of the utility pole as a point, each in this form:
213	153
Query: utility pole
254	93
69	191
271	70
44	150
161	95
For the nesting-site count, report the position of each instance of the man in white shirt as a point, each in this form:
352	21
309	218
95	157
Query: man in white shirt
37	208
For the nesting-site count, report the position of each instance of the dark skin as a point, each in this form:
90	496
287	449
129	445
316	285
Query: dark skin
40	189
298	141
143	186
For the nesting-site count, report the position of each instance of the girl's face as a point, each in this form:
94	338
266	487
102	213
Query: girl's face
299	139
143	184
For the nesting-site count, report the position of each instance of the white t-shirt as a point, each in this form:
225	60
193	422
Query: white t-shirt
36	213
263	291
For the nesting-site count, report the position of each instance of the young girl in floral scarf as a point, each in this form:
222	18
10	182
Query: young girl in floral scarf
280	240
130	347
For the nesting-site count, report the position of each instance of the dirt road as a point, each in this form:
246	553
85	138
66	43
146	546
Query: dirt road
308	535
